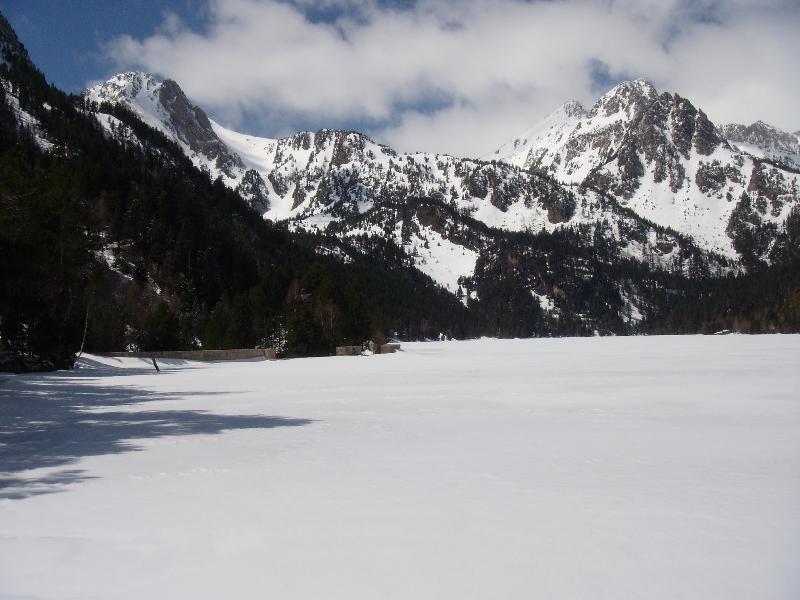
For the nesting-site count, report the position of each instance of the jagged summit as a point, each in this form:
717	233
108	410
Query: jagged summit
666	160
628	96
122	86
599	129
534	147
645	86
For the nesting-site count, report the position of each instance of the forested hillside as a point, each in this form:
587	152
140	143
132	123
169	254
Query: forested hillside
129	241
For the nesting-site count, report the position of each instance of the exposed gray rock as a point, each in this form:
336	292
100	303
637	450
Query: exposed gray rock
193	128
254	190
762	135
573	108
769	141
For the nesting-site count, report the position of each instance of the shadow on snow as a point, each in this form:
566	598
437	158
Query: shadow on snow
51	421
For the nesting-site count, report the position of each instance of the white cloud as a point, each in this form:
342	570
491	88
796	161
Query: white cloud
493	67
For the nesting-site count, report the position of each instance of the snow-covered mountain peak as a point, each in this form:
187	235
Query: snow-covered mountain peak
664	158
571	131
163	105
627	97
123	87
632	114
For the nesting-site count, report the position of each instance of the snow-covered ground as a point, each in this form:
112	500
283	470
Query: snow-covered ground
605	468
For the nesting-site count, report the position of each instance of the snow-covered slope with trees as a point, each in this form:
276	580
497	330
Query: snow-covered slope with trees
10	46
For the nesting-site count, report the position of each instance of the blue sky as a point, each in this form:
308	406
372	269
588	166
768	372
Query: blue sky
65	38
458	76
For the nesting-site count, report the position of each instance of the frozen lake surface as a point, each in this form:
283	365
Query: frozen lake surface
604	468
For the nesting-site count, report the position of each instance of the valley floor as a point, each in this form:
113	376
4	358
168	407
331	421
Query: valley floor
651	467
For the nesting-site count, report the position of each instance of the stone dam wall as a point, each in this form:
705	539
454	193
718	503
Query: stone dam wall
235	354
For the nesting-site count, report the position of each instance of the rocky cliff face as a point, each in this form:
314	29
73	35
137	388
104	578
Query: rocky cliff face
254	190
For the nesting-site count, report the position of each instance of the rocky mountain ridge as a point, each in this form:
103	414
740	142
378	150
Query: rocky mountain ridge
763	140
664	159
656	153
329	177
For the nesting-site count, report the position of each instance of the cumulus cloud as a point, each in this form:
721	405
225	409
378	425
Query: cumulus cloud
464	76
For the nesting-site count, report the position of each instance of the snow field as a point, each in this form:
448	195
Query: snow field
657	467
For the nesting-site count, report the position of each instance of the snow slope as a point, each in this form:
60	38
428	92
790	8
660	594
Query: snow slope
545	137
24	119
657	467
